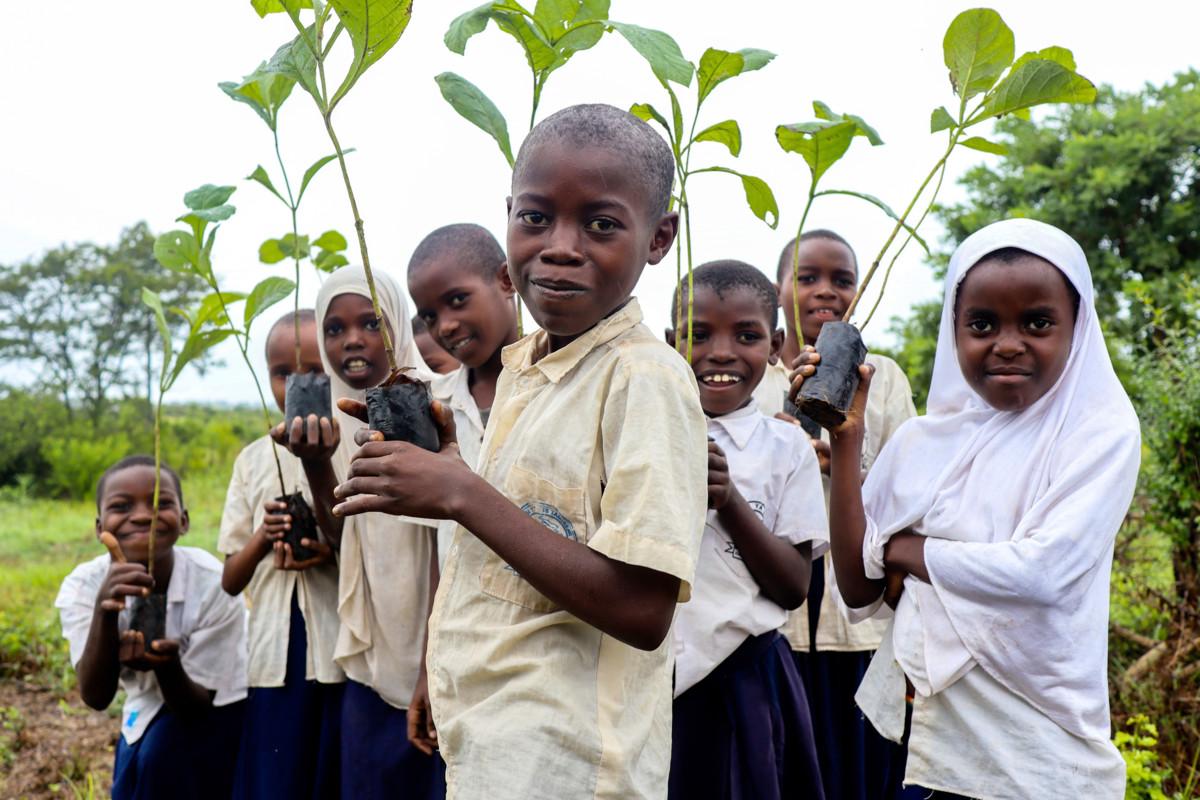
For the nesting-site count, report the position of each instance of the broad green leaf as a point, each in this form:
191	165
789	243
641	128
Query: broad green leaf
474	106
755	59
374	27
295	60
884	207
978	47
198	342
205	215
208	196
676	117
1059	55
648	112
264	7
715	67
557	18
271	252
659	50
267	293
823	111
154	302
538	52
465	26
820	143
213	307
940	120
260	176
758	195
176	250
263	91
328	261
1033	83
984	146
294	247
330	240
312	171
727	133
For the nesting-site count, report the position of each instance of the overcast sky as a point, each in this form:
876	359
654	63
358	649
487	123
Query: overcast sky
112	113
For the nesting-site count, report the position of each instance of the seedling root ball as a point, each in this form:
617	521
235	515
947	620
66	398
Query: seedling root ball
304	525
826	395
307	394
401	412
148	615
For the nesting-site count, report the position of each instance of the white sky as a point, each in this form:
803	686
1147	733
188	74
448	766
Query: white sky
112	113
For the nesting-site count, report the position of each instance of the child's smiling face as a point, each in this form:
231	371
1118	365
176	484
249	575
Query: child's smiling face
126	507
1013	327
580	231
827	277
732	342
471	315
354	342
281	356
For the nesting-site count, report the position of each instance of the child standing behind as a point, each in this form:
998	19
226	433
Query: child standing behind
831	654
741	725
432	353
181	721
291	739
549	668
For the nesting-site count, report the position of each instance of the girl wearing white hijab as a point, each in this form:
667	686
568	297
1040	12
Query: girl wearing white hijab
999	508
383	590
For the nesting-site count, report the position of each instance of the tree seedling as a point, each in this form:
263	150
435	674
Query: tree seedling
978	50
373	28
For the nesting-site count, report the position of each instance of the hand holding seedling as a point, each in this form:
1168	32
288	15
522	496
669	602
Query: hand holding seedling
284	558
720	487
135	655
123	580
314	439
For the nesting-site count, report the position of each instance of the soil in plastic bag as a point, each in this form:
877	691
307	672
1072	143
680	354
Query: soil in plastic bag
826	395
401	412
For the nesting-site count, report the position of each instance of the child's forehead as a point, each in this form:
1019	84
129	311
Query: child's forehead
744	301
590	173
136	479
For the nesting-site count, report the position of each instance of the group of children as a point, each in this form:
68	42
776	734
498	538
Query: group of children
630	575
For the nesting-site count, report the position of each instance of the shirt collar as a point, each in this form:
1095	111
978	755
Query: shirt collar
739	425
519	356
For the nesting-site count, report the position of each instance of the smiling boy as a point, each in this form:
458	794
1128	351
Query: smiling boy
549	667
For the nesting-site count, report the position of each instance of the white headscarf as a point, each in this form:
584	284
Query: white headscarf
354	593
1022	509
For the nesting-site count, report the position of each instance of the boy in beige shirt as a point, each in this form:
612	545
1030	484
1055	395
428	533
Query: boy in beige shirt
549	667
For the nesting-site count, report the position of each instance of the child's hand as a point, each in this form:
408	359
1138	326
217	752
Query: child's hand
275	524
312	439
284	559
134	654
824	452
894	586
123	580
803	366
905	551
403	479
720	487
421	730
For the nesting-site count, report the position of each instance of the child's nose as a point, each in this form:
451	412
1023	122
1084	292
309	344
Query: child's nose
1009	345
562	246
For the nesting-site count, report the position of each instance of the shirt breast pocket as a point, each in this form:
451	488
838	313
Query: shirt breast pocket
559	509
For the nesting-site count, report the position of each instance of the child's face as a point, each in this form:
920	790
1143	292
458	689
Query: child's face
827	279
127	506
353	341
281	356
436	358
579	235
469	314
732	342
1013	328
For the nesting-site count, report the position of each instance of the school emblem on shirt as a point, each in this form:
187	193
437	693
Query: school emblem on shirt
758	507
551	517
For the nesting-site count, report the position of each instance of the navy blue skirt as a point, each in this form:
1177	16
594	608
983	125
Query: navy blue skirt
378	761
188	759
291	746
743	733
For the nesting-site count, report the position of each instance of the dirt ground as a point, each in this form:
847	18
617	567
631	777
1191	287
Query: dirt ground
50	743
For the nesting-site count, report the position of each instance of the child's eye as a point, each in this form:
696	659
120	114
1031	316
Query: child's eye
697	336
602	225
805	279
845	283
458	300
1041	324
748	337
532	217
979	326
371	325
333	330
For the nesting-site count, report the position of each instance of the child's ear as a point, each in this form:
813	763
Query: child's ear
185	522
505	280
664	236
777	340
669	335
98	528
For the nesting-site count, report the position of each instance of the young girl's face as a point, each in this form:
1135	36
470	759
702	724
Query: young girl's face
732	341
126	507
353	341
1013	326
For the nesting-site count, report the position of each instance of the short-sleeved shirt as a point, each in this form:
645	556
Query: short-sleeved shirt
889	403
255	480
454	390
603	442
774	468
209	625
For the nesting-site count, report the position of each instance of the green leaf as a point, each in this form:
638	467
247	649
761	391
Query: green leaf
198	342
538	52
758	194
271	252
267	293
212	308
727	133
328	261
984	146
1059	55
262	90
374	27
1034	83
978	47
648	112
294	247
659	50
676	117
823	111
206	215
330	240
475	107
940	120
312	171
260	176
465	26
820	143
154	302
208	196
176	250
875	201
718	66
557	17
264	7
295	60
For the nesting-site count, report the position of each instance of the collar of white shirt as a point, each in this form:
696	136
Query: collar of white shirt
454	388
519	356
739	425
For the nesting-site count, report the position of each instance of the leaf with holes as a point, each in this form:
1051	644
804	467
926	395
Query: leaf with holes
176	250
758	195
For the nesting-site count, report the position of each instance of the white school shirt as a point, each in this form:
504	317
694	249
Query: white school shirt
209	625
602	441
269	593
774	468
454	390
889	403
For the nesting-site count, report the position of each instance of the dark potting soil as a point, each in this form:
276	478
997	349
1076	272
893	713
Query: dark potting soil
307	394
810	425
826	395
304	525
148	615
401	412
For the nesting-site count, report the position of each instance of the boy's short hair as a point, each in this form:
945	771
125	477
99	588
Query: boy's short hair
602	125
472	245
786	256
723	276
139	460
1009	255
307	315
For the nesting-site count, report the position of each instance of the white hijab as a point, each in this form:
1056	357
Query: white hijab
1022	509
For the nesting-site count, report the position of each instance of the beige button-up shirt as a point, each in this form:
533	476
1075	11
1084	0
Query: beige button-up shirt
602	441
454	390
889	403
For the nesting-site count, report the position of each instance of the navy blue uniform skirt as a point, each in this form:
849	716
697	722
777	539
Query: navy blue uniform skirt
378	761
743	733
291	746
184	759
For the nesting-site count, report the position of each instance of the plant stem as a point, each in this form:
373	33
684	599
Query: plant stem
796	259
287	184
157	481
